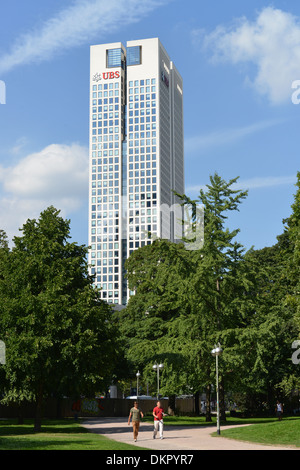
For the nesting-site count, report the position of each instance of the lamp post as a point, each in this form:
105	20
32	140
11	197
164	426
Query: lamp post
157	367
216	352
137	384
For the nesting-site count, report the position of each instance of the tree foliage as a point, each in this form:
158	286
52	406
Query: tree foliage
192	295
186	301
58	334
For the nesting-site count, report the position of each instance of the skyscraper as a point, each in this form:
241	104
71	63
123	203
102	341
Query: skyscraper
136	156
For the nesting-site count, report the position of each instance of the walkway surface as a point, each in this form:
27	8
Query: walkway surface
175	437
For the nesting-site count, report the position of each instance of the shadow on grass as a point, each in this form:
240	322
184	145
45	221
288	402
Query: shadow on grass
7	443
11	427
54	435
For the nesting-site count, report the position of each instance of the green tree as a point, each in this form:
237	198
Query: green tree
291	299
58	333
293	271
158	273
219	287
264	343
246	300
194	296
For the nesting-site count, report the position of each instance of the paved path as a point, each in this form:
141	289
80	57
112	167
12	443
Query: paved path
175	437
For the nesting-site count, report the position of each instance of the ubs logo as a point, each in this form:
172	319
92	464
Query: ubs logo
105	76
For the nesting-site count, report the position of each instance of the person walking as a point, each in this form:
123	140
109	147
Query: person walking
158	414
136	414
279	410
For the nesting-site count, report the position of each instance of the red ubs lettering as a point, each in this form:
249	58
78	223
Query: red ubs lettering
109	75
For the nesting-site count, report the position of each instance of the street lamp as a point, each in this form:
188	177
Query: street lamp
137	383
217	351
157	367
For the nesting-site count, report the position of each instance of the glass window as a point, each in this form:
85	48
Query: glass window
134	55
114	57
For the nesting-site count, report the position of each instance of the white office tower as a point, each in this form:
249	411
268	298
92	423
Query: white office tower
136	156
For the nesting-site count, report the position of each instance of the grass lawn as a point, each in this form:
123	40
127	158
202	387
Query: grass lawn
55	435
263	430
70	435
200	420
285	432
181	420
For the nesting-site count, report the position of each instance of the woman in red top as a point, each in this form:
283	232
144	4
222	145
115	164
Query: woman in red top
158	414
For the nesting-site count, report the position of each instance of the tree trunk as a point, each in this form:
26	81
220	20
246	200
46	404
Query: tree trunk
38	409
172	404
58	408
208	398
20	414
197	407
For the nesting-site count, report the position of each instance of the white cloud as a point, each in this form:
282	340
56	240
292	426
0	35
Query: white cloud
265	182
57	175
225	136
271	43
253	183
80	23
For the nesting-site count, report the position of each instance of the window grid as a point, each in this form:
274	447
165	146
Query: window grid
134	55
114	58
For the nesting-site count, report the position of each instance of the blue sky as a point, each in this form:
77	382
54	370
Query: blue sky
238	61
